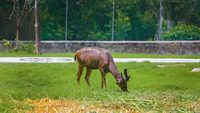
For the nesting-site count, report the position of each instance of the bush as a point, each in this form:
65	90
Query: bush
183	32
6	43
27	47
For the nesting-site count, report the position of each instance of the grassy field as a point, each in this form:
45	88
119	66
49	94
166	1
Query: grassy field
118	55
173	88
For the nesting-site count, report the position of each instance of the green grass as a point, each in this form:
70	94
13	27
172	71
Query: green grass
150	86
117	55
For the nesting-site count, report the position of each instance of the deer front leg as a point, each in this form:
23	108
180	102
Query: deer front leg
79	73
87	76
103	79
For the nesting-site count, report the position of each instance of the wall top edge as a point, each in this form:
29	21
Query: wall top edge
116	41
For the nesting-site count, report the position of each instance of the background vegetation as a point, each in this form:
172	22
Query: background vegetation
91	19
183	32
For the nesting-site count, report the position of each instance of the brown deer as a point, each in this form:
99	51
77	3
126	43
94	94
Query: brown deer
99	58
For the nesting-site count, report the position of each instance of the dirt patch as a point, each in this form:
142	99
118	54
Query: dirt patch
74	106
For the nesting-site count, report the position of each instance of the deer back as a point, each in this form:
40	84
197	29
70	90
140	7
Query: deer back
92	57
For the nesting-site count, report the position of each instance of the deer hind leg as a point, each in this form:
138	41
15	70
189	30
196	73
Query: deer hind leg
87	76
79	73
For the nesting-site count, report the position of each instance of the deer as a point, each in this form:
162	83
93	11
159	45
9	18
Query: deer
99	58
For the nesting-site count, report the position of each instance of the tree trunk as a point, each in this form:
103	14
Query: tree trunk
160	22
17	41
37	50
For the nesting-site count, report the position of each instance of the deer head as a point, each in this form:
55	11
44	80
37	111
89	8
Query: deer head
123	83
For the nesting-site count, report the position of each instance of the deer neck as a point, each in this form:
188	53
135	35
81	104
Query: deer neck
115	72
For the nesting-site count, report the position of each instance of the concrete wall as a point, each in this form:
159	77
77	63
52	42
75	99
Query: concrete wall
161	47
153	47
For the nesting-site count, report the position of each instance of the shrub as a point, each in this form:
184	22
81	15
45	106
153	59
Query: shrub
182	32
6	43
27	47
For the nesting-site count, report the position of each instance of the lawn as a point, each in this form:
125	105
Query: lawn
173	88
117	55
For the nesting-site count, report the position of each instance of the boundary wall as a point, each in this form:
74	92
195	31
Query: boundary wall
152	47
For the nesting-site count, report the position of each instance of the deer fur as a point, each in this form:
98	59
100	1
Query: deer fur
99	58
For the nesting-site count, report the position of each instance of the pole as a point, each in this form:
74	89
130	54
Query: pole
36	29
113	20
66	19
160	22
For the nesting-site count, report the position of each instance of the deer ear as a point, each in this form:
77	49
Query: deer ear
128	77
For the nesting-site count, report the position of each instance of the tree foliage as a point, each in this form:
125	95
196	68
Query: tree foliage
92	19
182	11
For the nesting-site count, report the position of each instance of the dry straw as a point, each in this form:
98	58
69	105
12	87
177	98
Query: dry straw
46	105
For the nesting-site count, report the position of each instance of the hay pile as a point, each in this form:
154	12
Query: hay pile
46	105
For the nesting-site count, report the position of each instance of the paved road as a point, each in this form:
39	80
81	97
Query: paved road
68	60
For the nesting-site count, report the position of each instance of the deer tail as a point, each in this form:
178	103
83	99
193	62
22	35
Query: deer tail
75	57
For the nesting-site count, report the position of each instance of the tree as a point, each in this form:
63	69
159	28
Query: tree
181	12
122	26
20	14
53	19
143	16
92	19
